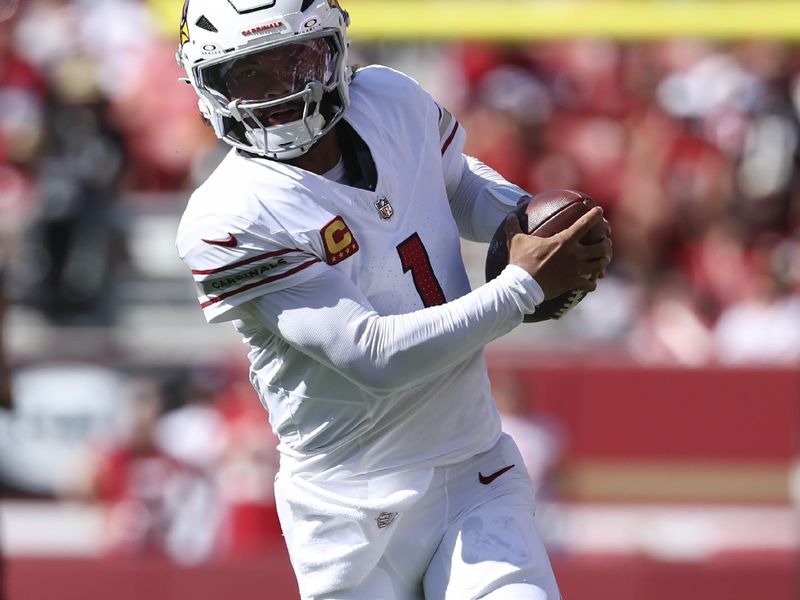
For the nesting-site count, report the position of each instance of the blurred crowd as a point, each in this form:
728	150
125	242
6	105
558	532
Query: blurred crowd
692	150
182	460
690	146
90	109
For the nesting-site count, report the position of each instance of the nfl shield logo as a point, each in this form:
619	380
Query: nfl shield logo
385	209
385	519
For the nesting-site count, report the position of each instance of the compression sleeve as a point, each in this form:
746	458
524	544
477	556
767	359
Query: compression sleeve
330	320
481	200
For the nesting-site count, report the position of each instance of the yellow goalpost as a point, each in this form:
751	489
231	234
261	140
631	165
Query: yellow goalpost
517	20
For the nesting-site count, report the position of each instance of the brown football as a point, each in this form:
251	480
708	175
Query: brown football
544	215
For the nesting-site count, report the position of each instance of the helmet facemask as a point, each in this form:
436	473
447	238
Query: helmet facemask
276	100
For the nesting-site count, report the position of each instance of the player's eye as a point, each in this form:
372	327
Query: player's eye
246	74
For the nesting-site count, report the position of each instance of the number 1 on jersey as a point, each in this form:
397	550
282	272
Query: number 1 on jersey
415	258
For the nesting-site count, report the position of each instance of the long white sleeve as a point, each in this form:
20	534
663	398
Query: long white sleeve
481	200
329	319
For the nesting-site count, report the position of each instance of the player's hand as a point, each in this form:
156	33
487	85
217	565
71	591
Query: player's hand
560	263
607	226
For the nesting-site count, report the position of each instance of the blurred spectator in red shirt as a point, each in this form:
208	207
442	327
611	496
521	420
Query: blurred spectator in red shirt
158	505
245	471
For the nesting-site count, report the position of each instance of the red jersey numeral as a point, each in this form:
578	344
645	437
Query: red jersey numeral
415	258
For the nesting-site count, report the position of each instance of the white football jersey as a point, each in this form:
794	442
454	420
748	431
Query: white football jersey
257	227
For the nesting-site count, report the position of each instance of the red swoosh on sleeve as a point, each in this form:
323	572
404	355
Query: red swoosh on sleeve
231	242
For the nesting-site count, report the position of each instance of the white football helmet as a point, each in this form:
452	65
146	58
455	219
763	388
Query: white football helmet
271	75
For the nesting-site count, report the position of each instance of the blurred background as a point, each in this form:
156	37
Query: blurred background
660	419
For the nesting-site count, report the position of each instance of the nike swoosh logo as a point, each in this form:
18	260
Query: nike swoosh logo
231	242
487	479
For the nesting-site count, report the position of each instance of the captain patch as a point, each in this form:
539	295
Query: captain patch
339	241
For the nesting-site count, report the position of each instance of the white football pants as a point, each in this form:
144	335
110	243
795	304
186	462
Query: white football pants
470	535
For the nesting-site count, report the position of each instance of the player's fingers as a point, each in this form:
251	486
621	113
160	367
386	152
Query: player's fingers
602	249
588	220
594	267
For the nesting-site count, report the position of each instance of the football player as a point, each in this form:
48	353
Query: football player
329	237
